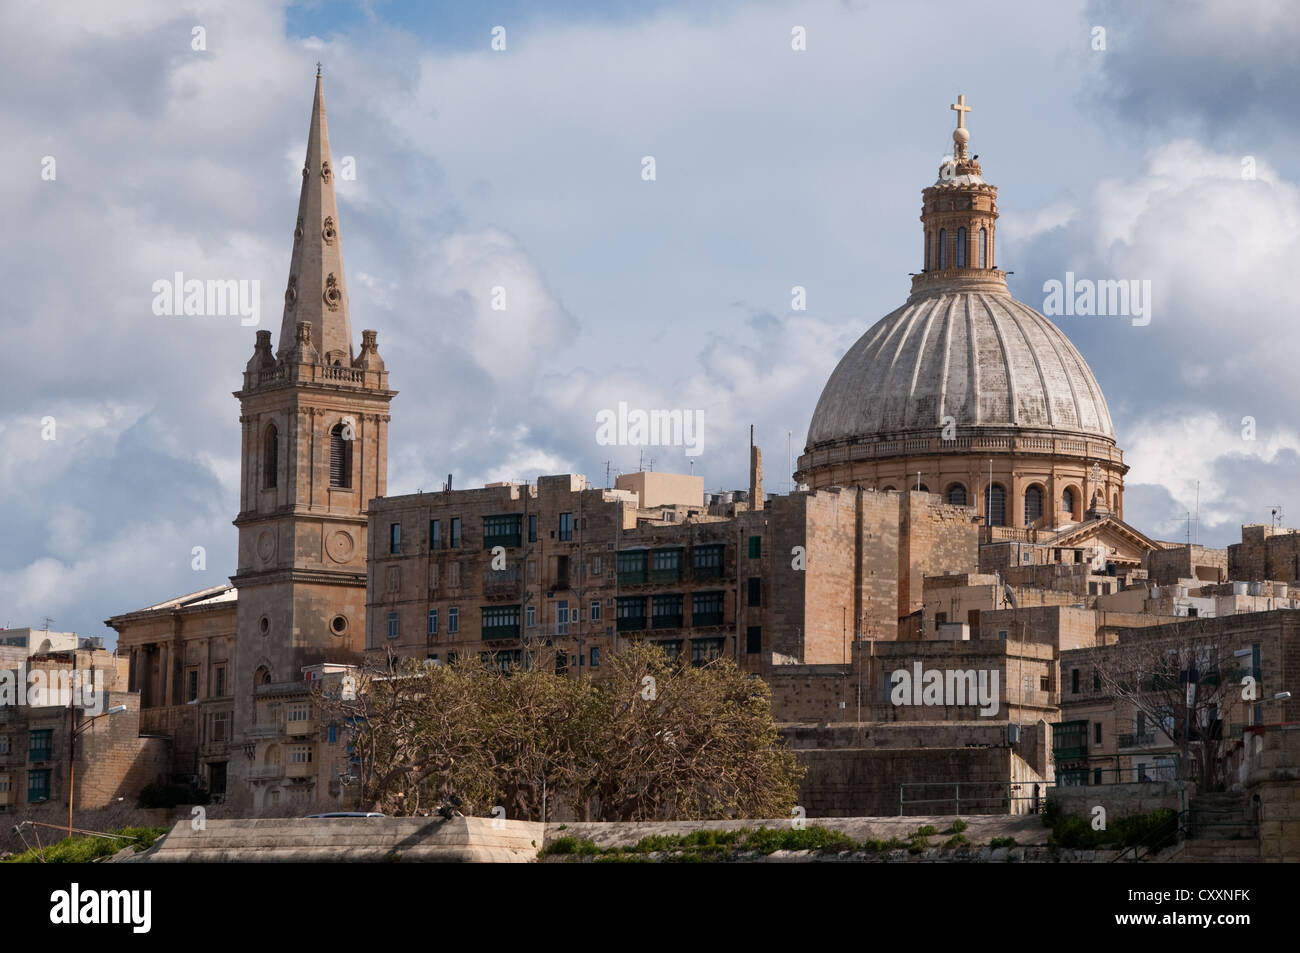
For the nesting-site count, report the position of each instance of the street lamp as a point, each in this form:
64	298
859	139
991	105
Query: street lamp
72	745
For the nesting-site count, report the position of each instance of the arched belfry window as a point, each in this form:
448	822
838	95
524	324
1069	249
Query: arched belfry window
1067	501
961	248
340	457
270	457
995	501
943	248
984	247
1033	505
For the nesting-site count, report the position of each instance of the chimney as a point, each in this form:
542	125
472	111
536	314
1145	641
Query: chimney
755	473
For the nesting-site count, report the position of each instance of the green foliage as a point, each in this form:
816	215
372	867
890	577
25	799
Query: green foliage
569	844
957	840
83	849
958	826
1154	831
766	840
705	845
997	842
925	830
878	846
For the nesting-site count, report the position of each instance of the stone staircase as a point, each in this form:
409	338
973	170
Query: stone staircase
1221	829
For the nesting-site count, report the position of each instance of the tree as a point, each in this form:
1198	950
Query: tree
1188	686
648	738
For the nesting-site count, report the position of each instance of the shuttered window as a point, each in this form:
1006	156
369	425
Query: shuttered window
340	458
270	457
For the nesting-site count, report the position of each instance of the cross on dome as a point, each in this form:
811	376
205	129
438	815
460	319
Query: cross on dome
962	109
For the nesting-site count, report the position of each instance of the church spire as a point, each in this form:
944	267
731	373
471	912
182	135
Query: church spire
317	293
959	214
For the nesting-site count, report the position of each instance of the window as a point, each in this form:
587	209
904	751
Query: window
392	625
394	537
706	561
704	651
433	621
453	620
566	526
666	612
595	565
595	656
530	616
671	648
755	547
453	574
532	527
220	688
435	534
996	505
706	608
984	247
754	639
1096	733
192	685
300	754
630	613
270	457
39	744
1096	680
667	565
501	530
943	249
4	744
454	542
1074	681
340	457
957	495
1067	501
562	617
755	591
500	622
38	785
219	730
1033	505
928	240
632	567
595	610
1096	775
961	248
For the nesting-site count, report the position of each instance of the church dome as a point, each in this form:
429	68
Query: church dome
983	359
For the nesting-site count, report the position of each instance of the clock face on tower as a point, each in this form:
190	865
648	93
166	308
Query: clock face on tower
266	546
340	546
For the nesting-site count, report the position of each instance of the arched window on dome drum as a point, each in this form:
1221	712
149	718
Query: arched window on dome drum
928	239
957	495
1033	505
340	458
1067	501
270	457
984	247
961	248
996	505
943	248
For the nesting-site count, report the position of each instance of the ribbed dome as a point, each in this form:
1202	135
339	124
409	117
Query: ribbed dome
981	357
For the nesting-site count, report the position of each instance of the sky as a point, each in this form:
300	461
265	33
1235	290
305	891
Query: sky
1150	141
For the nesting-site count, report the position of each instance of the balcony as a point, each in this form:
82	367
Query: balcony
283	688
40	754
300	727
631	623
706	572
1069	754
266	729
1146	739
674	574
508	540
300	769
706	618
265	772
666	621
494	632
632	577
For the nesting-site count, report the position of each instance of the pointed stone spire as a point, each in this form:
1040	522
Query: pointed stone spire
317	292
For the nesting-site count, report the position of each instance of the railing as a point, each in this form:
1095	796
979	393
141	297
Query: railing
932	444
283	688
300	726
264	772
271	729
980	797
1142	740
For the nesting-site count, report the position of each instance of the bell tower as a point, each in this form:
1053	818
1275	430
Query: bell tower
314	452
